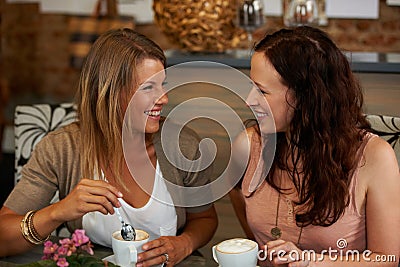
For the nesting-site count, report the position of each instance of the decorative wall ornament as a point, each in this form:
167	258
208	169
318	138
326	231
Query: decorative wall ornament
200	26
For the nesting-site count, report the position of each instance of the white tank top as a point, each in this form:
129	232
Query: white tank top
156	217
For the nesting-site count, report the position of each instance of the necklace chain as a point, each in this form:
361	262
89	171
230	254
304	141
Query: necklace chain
276	232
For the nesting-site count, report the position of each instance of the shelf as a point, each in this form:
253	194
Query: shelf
369	62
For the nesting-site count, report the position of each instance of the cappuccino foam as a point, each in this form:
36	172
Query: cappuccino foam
141	235
236	245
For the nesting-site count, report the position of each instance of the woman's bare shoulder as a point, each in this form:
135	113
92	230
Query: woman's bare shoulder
241	145
380	163
243	139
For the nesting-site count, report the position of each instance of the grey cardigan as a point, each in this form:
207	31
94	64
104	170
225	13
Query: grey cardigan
55	165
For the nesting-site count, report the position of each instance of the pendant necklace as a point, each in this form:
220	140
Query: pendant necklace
276	232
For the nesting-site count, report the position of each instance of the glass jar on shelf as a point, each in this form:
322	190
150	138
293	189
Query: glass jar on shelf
300	12
250	16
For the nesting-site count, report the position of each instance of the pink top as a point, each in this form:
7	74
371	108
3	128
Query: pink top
261	208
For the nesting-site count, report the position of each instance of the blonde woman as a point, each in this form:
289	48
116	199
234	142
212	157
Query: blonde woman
85	162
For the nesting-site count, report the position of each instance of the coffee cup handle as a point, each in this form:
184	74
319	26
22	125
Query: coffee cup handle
214	253
132	254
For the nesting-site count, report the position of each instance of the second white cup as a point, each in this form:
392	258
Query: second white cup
236	252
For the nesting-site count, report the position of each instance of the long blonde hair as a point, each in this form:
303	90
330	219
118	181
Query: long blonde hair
108	76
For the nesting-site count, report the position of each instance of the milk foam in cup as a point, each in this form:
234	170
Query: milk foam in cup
236	252
125	252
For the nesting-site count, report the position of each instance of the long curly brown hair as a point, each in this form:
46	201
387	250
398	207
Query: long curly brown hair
328	125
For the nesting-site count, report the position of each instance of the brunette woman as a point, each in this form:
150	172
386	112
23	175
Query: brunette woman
332	184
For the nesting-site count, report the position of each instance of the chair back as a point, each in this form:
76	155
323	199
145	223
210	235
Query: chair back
32	123
387	127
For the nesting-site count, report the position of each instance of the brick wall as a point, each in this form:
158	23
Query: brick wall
35	52
35	59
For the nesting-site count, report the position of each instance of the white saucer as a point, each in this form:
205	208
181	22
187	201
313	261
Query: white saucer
110	258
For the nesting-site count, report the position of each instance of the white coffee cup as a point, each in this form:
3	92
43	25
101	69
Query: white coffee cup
236	252
125	252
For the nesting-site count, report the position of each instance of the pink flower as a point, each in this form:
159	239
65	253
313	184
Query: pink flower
58	253
49	250
88	248
66	242
79	238
62	262
49	247
68	247
47	244
55	257
64	251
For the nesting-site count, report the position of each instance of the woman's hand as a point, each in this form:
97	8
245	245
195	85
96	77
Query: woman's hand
176	247
88	196
199	229
286	254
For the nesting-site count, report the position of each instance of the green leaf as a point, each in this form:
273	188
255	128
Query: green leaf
74	264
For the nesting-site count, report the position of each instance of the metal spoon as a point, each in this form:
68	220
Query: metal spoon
128	233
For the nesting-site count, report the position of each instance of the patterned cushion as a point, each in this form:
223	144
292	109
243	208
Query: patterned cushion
388	128
32	123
